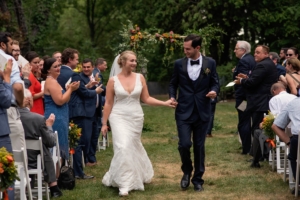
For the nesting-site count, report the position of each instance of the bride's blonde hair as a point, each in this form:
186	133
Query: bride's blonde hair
123	57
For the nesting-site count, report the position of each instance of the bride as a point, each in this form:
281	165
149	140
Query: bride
130	167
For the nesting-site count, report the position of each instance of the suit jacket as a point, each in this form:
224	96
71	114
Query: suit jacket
258	85
90	103
245	65
191	94
77	107
5	102
34	127
280	70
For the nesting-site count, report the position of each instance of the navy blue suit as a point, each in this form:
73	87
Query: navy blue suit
245	66
91	152
280	70
81	111
193	112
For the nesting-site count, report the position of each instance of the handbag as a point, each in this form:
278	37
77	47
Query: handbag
66	179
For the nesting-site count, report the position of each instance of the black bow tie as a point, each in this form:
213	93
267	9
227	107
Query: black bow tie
196	62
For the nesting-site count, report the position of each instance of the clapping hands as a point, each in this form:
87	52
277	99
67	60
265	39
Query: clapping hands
50	120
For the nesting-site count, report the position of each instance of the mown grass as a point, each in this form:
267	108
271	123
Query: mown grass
227	176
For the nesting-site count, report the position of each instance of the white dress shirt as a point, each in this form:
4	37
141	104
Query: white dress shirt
278	102
194	71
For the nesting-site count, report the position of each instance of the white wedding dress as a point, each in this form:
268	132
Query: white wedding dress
130	167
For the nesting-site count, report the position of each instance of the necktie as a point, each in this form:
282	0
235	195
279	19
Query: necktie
196	62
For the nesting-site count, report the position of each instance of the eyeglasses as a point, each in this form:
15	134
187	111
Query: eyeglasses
289	54
16	50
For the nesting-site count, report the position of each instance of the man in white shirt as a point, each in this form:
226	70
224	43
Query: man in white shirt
278	102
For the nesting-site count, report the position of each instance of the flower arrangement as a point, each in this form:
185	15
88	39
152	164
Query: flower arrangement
266	125
8	171
74	135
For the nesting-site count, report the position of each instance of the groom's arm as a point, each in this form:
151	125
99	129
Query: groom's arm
214	78
174	82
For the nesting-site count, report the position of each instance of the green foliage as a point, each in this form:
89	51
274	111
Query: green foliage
225	76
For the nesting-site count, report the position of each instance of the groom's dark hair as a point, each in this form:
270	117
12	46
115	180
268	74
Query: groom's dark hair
196	40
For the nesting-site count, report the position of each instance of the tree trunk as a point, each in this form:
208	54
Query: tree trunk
22	24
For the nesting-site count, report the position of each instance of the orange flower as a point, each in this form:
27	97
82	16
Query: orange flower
9	158
79	134
264	119
1	164
71	124
72	151
132	37
271	143
1	170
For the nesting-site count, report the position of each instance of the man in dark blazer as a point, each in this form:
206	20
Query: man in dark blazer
280	69
245	65
78	111
35	126
258	85
196	78
100	67
88	79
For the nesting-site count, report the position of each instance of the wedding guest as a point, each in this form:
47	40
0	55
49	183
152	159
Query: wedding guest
292	52
196	81
57	56
258	85
36	126
277	103
280	69
56	102
292	78
95	109
245	65
35	88
289	115
15	125
130	167
282	54
79	111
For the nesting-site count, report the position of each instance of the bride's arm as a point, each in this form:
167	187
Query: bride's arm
109	101
147	99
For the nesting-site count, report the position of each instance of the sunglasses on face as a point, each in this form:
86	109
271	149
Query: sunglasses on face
289	54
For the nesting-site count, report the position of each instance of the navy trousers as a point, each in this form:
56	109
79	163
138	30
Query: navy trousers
196	128
85	123
244	128
91	156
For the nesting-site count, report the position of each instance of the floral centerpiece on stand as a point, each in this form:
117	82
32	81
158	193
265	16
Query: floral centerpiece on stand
267	127
74	136
8	171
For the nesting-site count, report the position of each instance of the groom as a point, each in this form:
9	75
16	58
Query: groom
197	80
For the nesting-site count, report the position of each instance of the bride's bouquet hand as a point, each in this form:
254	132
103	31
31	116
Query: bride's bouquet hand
104	130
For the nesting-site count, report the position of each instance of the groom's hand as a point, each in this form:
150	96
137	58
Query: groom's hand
211	94
174	103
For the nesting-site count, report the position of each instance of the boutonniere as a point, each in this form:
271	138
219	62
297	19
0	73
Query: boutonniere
207	71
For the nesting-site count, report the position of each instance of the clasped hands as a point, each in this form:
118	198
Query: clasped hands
239	77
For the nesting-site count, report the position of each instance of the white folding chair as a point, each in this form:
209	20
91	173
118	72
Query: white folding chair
297	171
280	161
19	156
56	153
38	145
102	144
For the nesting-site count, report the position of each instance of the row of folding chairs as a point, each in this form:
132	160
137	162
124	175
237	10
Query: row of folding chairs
24	172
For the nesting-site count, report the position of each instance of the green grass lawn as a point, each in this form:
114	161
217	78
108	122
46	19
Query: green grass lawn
227	176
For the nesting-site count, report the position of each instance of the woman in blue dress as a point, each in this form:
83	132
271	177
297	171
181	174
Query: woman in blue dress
56	102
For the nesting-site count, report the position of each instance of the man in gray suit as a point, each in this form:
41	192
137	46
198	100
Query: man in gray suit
36	126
